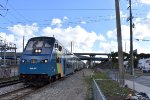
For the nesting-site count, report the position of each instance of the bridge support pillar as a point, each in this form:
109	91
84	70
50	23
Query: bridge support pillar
92	61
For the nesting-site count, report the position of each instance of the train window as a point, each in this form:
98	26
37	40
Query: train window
57	60
47	44
60	48
30	45
65	51
56	45
39	44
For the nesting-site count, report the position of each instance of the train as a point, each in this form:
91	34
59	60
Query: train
45	59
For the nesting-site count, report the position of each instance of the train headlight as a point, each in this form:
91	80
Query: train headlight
45	61
38	51
23	60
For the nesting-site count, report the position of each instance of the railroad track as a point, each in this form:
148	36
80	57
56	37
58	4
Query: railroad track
18	94
24	91
8	83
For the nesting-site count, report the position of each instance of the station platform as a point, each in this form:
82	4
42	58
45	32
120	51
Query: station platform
138	87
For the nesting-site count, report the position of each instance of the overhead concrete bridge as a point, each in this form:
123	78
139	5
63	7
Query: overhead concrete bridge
91	57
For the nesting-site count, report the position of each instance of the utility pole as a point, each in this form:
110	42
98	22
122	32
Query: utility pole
5	53
71	46
23	44
125	46
131	40
119	40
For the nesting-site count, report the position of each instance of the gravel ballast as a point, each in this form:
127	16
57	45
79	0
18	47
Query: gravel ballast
73	87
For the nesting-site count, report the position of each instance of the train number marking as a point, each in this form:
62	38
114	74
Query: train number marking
33	68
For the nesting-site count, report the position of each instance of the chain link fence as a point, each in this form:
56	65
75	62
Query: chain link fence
98	95
109	88
7	72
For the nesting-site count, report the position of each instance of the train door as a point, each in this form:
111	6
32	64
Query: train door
64	61
59	61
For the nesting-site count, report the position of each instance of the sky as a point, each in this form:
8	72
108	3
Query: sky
89	24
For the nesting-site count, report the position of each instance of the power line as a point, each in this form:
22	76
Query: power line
4	8
63	9
76	21
72	9
18	13
11	15
142	40
22	17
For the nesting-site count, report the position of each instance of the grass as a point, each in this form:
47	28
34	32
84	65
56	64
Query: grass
89	85
137	73
140	73
9	79
110	88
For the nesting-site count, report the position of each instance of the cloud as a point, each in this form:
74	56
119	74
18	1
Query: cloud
109	46
24	30
100	37
142	28
112	34
82	39
148	15
125	32
57	22
7	37
83	22
18	31
123	15
65	18
141	31
145	2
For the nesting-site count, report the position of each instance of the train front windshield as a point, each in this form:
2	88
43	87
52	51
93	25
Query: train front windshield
34	44
39	44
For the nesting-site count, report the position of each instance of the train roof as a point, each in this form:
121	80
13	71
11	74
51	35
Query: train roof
40	37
